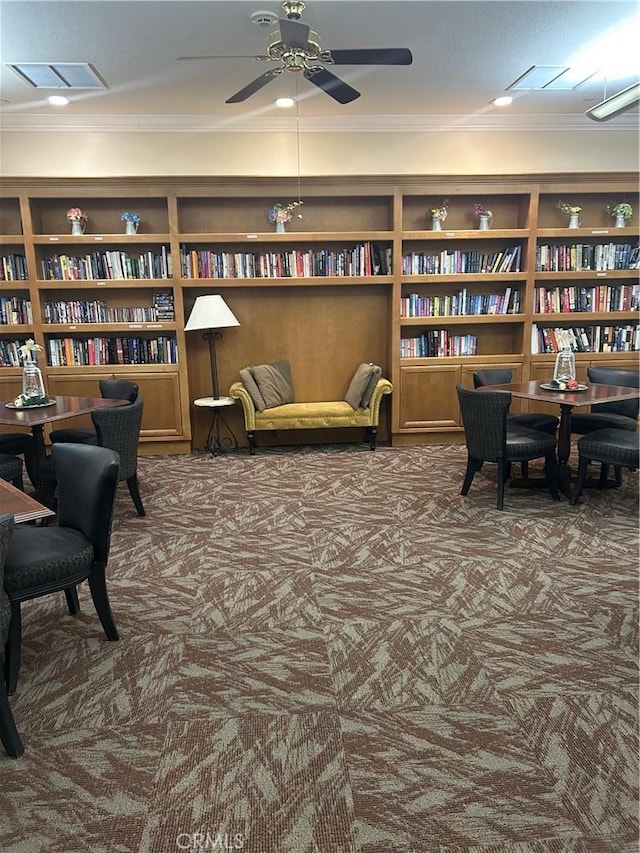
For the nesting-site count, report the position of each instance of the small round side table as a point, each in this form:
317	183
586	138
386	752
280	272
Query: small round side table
215	445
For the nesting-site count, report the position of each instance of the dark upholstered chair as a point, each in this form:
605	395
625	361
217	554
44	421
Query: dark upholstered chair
119	430
618	447
20	444
11	469
491	438
41	560
114	389
8	731
622	414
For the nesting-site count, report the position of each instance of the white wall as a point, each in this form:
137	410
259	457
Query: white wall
452	152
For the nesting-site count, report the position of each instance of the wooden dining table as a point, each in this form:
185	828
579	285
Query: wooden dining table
567	400
60	408
23	507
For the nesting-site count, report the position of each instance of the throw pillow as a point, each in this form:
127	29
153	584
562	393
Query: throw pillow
376	373
274	383
359	385
254	392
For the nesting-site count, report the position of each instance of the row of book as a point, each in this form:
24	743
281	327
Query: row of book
580	257
461	304
14	310
438	343
65	352
13	268
604	297
108	266
586	338
363	259
457	262
97	311
10	353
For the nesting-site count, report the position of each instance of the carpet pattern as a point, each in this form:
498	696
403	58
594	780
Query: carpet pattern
328	650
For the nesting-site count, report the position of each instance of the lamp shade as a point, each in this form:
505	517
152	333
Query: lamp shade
210	312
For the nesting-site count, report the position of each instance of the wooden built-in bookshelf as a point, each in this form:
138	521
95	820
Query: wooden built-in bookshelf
361	276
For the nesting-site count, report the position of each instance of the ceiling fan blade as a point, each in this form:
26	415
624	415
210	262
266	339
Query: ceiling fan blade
293	33
332	85
254	86
373	56
243	56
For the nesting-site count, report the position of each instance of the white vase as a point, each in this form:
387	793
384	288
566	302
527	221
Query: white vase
131	228
485	222
574	220
436	224
77	228
32	385
620	221
280	229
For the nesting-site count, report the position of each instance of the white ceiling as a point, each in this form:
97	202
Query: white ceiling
465	54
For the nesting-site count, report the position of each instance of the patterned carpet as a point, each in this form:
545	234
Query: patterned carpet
329	650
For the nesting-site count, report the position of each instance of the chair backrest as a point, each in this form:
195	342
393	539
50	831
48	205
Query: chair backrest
87	481
484	416
119	389
616	376
119	430
492	376
6	531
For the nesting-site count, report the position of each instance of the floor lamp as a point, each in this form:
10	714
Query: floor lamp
211	313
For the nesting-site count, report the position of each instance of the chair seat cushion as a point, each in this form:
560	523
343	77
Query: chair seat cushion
77	435
535	420
10	466
15	442
584	424
523	443
39	555
611	446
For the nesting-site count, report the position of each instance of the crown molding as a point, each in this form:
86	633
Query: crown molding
321	124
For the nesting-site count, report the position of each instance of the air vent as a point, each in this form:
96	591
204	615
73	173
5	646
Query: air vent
58	75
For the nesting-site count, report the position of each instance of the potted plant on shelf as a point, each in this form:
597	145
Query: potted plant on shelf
572	211
78	219
439	214
485	215
622	211
132	221
281	213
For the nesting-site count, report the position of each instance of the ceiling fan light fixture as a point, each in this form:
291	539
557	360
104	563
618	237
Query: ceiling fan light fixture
616	104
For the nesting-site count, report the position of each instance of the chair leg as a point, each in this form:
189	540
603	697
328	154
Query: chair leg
100	596
12	649
73	603
617	470
473	466
30	465
8	731
252	443
582	473
502	476
604	475
134	491
525	469
550	473
373	431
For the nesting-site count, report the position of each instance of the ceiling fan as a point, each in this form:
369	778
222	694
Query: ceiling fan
297	48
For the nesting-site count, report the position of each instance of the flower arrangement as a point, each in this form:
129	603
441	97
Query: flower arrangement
622	208
567	208
282	212
131	217
481	210
76	214
27	350
441	212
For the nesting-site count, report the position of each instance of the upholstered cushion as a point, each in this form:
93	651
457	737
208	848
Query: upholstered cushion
362	384
376	373
10	467
39	555
611	446
254	392
274	383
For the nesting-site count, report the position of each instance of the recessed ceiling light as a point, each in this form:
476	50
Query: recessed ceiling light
284	102
502	101
58	100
